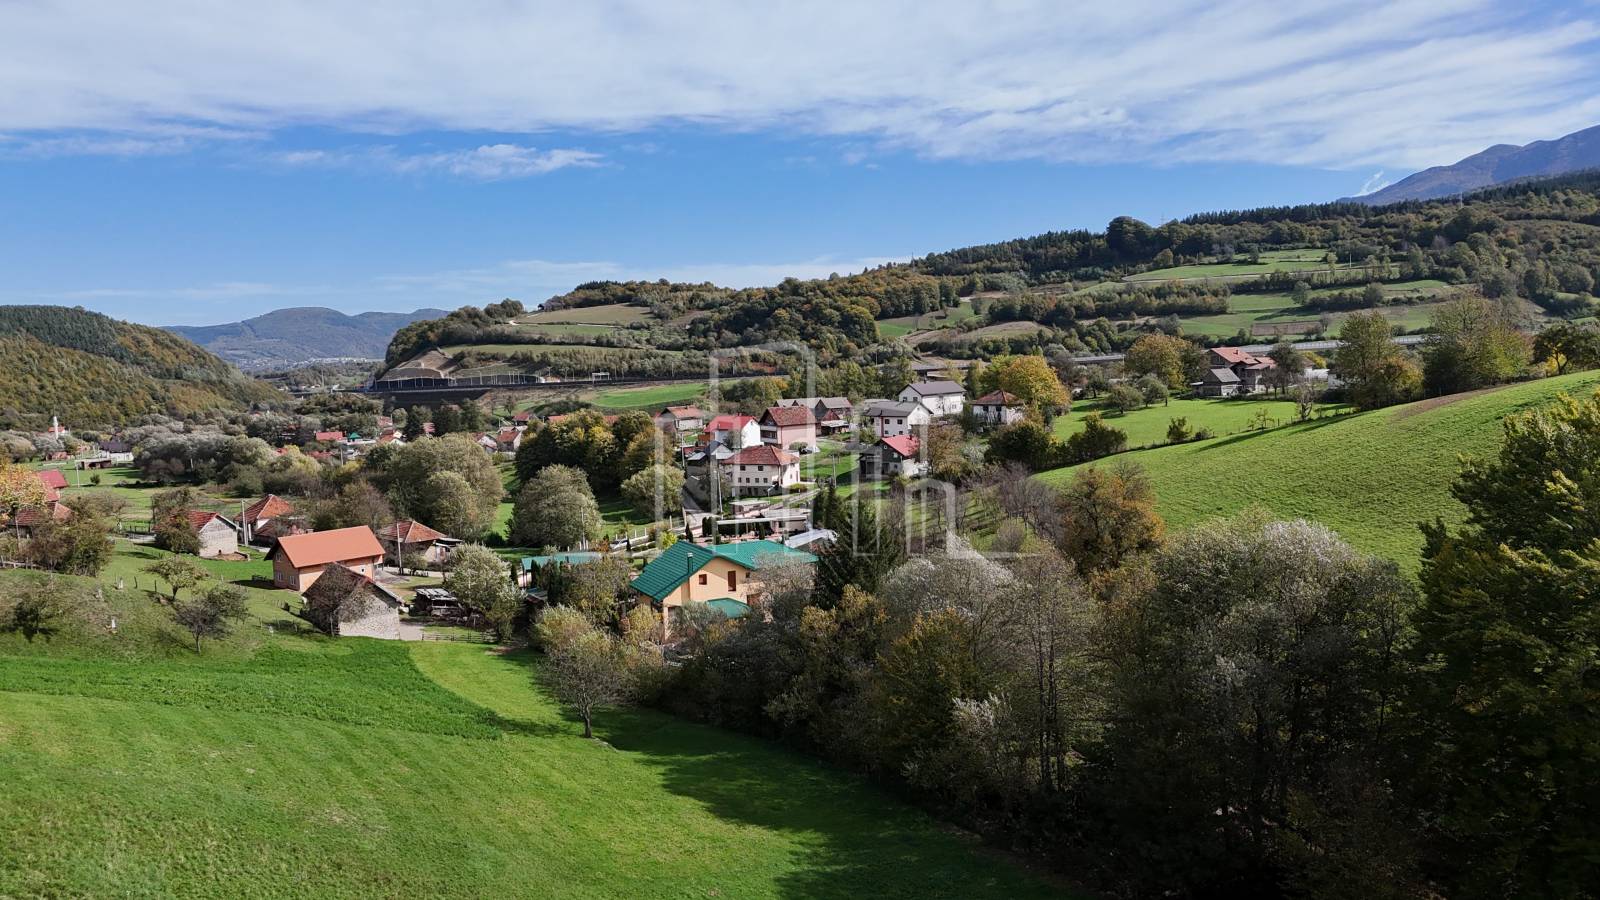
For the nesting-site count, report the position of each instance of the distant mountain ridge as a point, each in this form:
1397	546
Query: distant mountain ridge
1499	164
289	337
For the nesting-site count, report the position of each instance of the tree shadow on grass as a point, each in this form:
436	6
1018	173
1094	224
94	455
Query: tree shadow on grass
859	840
1247	435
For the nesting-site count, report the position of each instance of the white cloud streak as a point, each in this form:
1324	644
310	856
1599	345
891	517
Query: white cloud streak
490	162
1347	83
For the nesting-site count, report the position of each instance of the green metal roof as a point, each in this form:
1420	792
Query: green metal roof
730	607
672	568
752	554
573	558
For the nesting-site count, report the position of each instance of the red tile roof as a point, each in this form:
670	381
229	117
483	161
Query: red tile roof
998	398
322	547
200	518
903	444
683	412
53	478
408	531
1233	355
33	516
728	422
788	416
762	455
269	507
329	436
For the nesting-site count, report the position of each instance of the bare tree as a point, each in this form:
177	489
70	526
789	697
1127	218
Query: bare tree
211	614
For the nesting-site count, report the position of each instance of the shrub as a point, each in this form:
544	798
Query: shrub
1178	431
1124	397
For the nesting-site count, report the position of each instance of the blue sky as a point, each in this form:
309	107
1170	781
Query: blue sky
177	163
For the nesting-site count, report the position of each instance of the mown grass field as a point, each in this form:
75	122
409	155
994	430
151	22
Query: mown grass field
901	326
279	765
1248	310
648	398
609	314
1148	427
1371	476
1271	261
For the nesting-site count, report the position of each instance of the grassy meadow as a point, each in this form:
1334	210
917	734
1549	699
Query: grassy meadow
1147	427
1370	476
284	765
1271	261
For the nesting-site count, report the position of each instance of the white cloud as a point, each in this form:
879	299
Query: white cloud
1376	182
490	162
1323	82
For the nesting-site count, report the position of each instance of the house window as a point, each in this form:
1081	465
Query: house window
733	580
761	468
702	578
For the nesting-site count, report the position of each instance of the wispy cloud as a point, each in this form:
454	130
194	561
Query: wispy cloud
490	162
1396	83
1375	182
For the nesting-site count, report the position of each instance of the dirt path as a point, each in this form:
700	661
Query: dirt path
1422	406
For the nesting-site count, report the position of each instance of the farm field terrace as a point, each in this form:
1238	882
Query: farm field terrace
275	765
1370	476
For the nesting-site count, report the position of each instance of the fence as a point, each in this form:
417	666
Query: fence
483	638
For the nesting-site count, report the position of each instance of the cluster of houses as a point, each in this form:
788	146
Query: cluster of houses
760	455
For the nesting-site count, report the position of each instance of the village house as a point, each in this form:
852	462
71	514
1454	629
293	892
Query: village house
998	408
507	440
346	603
682	422
833	414
1218	382
407	538
219	536
29	519
1251	372
487	442
260	513
298	559
734	430
888	418
942	398
761	469
789	427
328	437
687	573
894	457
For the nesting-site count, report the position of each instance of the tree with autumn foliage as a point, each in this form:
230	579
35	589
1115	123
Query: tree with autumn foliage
1505	650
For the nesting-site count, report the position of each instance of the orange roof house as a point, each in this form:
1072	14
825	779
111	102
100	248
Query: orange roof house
53	478
266	509
298	559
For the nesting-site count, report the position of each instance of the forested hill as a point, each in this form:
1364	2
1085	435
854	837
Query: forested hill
1536	243
95	371
288	337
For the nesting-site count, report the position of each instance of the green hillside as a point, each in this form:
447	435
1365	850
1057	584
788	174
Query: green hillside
276	765
1372	477
94	371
